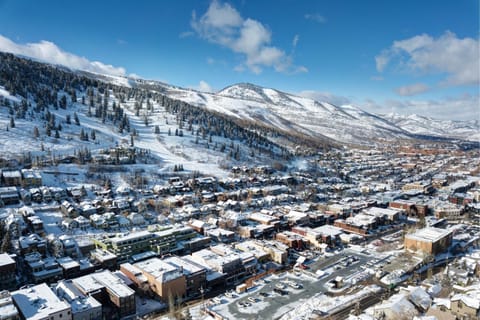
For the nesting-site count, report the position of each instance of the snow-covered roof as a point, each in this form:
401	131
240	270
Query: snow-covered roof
429	234
329	230
161	270
5	259
187	266
38	302
113	283
471	300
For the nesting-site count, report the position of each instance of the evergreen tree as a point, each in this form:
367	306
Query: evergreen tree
75	117
92	135
157	130
57	134
63	102
6	246
36	133
12	122
67	119
82	135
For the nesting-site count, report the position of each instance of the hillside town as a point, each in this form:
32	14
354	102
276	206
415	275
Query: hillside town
391	233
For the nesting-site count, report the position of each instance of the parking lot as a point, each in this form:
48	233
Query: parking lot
274	297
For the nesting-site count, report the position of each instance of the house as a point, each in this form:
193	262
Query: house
9	195
40	302
12	178
466	305
83	306
31	178
396	307
42	269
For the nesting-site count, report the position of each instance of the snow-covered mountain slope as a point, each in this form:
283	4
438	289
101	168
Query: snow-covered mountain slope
283	118
290	113
304	116
467	130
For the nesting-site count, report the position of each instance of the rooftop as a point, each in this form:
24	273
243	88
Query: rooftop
429	234
38	302
5	259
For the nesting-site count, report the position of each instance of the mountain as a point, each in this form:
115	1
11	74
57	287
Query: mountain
465	130
242	122
320	120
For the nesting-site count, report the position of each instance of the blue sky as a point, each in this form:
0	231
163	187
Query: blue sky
403	56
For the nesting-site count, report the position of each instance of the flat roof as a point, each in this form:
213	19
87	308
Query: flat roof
187	266
5	259
161	270
38	302
329	230
429	234
113	283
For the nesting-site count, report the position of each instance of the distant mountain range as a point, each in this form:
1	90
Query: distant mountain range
304	116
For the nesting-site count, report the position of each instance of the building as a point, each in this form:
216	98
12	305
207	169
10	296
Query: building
265	250
8	311
42	269
83	307
411	208
140	282
449	211
291	239
9	195
31	178
12	178
429	240
195	274
169	240
165	279
40	303
107	288
466	306
230	266
418	187
8	267
105	259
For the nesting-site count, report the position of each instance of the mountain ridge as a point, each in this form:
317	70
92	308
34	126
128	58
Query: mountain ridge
302	116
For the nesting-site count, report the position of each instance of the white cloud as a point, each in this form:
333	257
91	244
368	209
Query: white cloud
49	52
186	34
295	40
223	25
412	89
203	86
315	17
325	97
457	58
